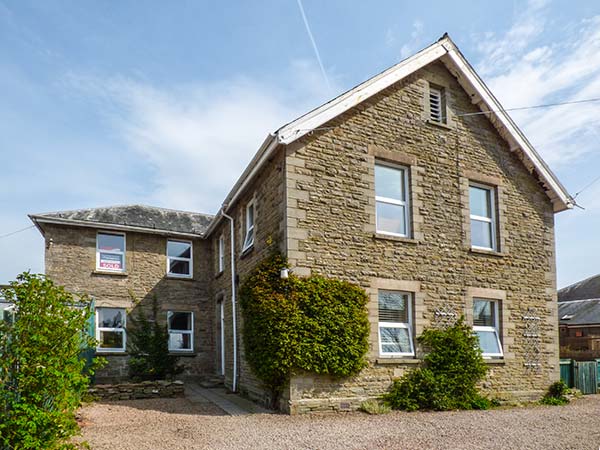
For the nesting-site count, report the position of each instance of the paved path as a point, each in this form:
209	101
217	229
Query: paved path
232	404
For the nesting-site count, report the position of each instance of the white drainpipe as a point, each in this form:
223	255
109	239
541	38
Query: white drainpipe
233	299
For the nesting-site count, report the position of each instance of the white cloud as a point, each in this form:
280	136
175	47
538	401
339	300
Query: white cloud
199	137
416	40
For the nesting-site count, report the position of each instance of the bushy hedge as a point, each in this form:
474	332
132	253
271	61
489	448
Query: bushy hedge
313	324
42	376
448	380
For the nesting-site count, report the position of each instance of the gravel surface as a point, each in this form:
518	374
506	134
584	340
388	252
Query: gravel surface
176	424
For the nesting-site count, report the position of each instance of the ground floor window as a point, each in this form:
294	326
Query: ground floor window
181	331
486	324
395	323
110	329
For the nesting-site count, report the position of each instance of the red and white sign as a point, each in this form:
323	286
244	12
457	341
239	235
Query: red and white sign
111	261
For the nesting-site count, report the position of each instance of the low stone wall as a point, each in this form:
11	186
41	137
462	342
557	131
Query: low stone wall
131	391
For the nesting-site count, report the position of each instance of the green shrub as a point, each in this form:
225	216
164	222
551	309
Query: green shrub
313	324
557	394
149	348
42	376
448	380
374	407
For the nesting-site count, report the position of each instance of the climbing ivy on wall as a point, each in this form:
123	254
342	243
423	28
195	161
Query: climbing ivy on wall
314	324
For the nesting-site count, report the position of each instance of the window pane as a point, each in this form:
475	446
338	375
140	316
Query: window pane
481	234
393	307
249	238
111	261
483	313
179	267
110	317
180	341
179	249
479	201
488	341
111	339
395	340
250	216
111	242
180	321
389	182
391	218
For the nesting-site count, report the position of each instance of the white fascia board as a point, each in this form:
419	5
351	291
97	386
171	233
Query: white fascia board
512	129
303	125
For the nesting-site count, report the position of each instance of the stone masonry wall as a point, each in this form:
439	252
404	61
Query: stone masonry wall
267	191
71	261
134	391
331	231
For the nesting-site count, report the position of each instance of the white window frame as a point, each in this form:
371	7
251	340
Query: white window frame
123	253
408	326
190	332
249	238
437	93
178	258
122	330
495	329
221	254
391	201
491	220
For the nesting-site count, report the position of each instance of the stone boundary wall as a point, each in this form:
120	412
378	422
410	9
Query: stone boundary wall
134	391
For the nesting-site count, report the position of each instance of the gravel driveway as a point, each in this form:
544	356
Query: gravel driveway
176	424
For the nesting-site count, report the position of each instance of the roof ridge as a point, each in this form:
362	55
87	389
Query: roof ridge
579	282
122	206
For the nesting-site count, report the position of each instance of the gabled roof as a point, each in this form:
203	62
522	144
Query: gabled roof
582	290
141	218
579	312
448	53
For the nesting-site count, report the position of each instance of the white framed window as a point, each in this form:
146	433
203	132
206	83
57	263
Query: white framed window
483	216
250	218
437	104
391	200
395	323
110	329
179	259
486	325
221	253
110	252
7	311
181	331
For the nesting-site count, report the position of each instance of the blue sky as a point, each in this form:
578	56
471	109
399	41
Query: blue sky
164	103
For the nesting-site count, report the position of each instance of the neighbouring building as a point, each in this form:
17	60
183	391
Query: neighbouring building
415	184
579	319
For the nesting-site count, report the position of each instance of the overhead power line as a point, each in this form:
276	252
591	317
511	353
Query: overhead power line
15	232
520	108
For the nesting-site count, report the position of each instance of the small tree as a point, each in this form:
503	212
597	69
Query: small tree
42	376
150	358
453	367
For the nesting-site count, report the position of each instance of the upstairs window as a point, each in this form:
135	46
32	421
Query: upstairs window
486	325
221	253
391	199
110	252
179	259
110	329
250	216
483	217
181	331
395	323
437	104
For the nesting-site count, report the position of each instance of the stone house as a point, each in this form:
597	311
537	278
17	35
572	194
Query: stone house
416	185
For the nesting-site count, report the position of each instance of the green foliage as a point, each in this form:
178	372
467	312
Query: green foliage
314	324
149	348
448	380
374	407
557	394
42	370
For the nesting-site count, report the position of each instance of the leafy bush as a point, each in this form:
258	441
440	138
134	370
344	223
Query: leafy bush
448	380
314	324
150	358
42	376
374	407
557	394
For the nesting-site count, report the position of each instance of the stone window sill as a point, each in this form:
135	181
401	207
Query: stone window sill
183	354
172	277
398	361
480	251
497	361
109	353
445	126
247	251
390	237
106	272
